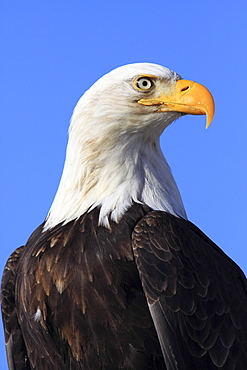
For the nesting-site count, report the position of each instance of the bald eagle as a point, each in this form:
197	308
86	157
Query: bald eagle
117	277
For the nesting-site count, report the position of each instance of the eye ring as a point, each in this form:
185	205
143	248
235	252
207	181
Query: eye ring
143	83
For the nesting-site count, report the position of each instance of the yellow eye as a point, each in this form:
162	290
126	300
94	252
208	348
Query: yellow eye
143	83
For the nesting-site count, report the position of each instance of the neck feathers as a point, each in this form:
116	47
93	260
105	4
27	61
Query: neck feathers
112	177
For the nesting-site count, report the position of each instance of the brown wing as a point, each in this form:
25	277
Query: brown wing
80	302
196	294
15	346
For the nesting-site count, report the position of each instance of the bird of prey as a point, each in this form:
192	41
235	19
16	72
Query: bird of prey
117	277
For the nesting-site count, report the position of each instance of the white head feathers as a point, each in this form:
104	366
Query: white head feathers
113	156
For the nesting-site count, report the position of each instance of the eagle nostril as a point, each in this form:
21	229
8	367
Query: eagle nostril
185	88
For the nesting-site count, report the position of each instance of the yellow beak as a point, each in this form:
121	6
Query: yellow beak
189	97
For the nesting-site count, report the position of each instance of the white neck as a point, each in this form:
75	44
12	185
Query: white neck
113	182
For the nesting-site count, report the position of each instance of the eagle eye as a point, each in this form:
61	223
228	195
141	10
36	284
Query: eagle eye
143	83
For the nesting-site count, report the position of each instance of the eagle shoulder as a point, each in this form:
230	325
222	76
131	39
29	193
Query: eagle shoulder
196	294
80	301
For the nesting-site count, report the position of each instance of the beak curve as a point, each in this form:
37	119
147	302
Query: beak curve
189	97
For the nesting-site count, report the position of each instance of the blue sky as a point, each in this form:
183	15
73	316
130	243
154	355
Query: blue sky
52	51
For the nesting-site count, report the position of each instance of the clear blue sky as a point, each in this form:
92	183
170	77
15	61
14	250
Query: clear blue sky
52	51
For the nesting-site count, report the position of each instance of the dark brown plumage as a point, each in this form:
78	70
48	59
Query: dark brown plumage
88	287
84	278
196	293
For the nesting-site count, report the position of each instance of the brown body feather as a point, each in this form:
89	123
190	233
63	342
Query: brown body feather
196	293
73	298
84	281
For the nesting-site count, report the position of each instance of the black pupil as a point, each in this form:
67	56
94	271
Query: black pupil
144	83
